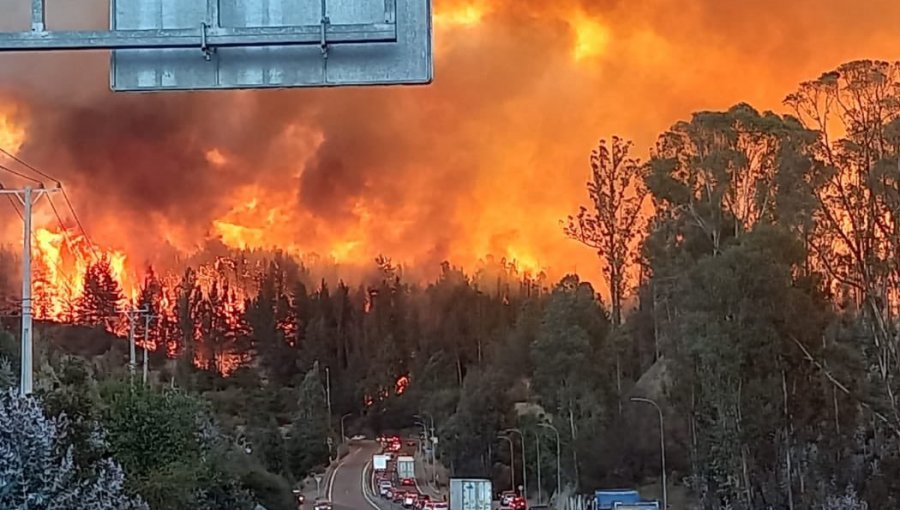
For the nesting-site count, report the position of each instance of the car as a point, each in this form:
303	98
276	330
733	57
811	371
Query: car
383	487
399	494
409	499
518	503
389	494
423	500
506	499
358	437
298	495
436	505
323	504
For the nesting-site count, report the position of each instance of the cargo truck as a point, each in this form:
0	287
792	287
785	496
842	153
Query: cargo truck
607	499
406	470
379	462
643	505
470	494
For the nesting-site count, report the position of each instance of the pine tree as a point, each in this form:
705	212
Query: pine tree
101	295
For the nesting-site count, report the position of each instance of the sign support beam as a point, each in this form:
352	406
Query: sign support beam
38	18
208	35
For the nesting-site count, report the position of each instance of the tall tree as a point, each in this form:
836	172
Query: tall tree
101	295
307	444
856	184
612	225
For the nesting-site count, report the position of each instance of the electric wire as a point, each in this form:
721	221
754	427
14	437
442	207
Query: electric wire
62	189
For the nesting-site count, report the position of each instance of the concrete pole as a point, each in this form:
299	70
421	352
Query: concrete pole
132	357
27	366
147	318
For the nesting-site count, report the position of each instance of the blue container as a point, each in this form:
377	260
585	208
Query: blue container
606	499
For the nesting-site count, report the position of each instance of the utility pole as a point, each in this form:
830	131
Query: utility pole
132	315
27	196
147	318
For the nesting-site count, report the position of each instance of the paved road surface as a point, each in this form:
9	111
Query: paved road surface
347	485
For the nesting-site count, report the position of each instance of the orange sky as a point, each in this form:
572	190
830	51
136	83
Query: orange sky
487	160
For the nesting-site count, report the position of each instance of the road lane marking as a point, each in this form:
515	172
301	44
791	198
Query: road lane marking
362	487
329	492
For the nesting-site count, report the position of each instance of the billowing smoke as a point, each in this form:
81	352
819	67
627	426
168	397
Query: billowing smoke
486	160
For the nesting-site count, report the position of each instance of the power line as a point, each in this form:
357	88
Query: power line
65	232
58	185
26	165
78	221
59	267
20	174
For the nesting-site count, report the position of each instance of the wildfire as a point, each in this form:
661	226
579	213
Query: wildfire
591	37
465	14
401	385
12	134
60	260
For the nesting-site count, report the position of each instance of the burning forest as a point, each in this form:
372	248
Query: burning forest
596	203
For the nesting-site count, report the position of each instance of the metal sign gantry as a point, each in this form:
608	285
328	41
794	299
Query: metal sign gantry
207	35
242	44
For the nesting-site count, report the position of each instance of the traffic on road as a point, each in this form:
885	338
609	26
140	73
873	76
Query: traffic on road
395	479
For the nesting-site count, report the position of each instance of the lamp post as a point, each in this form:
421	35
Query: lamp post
343	435
662	447
558	472
537	448
431	436
512	462
524	474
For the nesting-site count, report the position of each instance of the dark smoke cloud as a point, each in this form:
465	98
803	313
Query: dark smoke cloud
489	157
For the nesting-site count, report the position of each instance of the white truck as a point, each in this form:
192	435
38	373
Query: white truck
406	470
379	462
470	494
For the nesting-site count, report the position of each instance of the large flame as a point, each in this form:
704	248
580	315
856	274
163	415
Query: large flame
484	162
61	258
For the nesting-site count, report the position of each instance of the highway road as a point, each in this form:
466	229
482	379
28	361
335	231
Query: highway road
346	486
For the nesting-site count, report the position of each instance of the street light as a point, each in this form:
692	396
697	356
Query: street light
512	462
662	446
558	473
343	435
524	474
537	449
